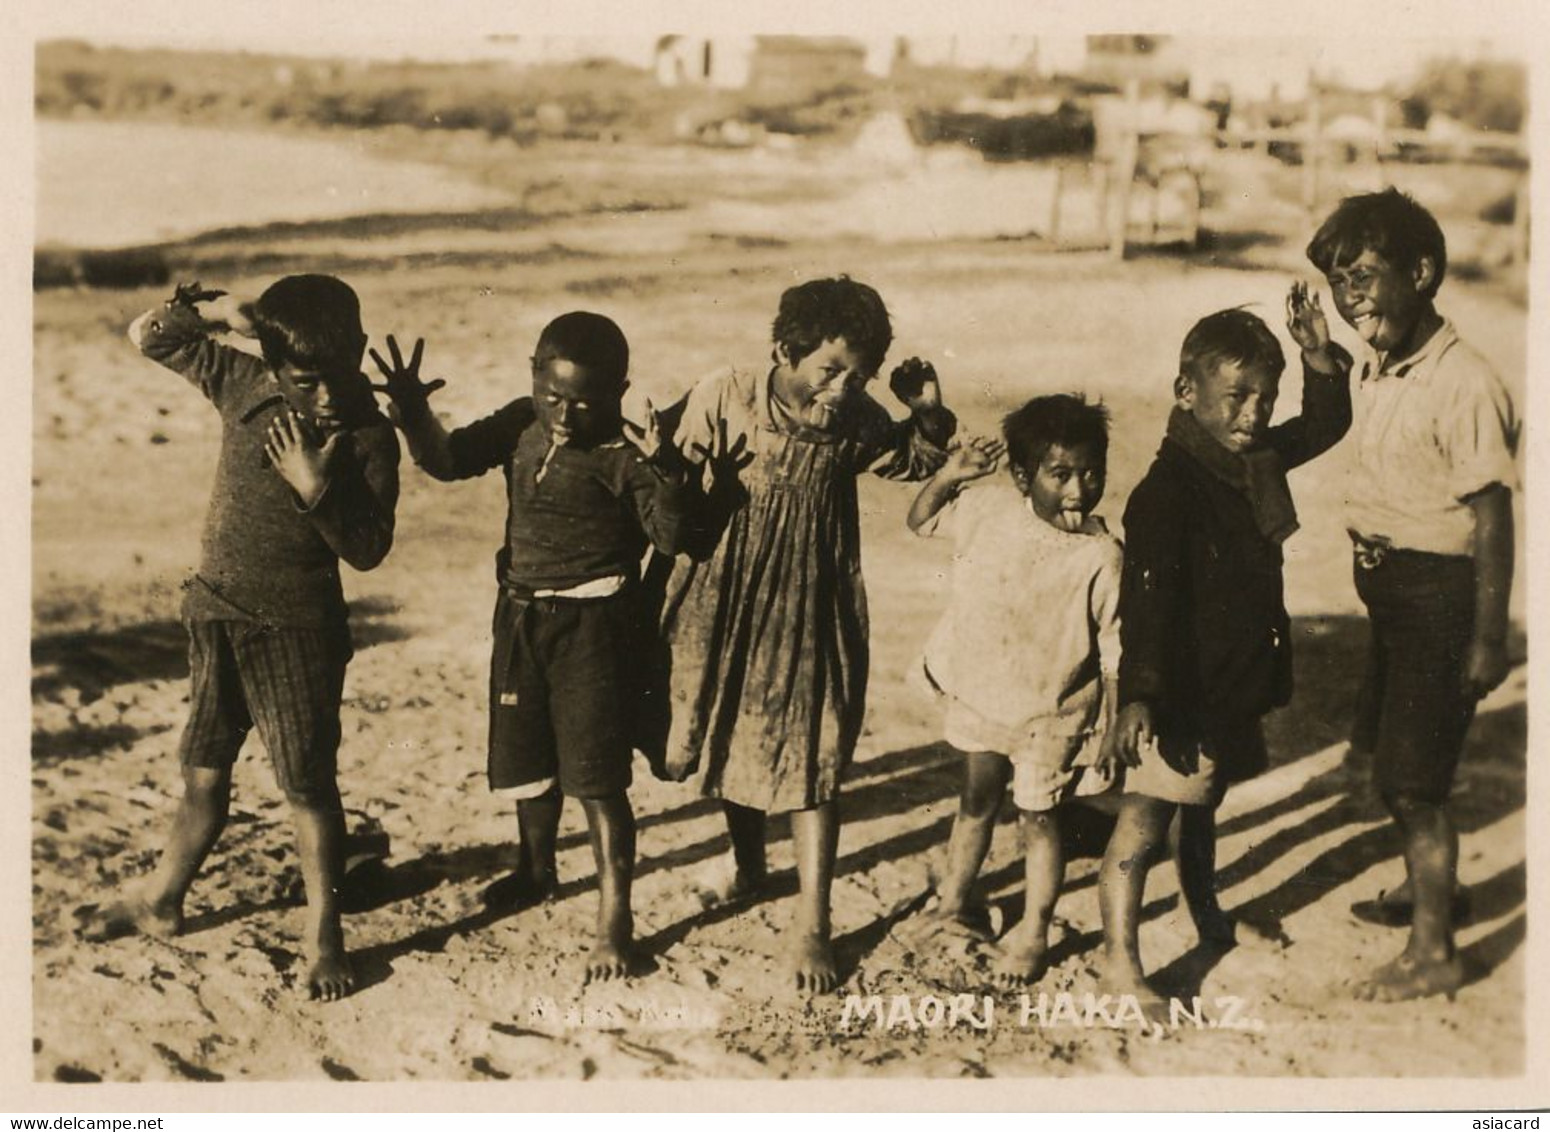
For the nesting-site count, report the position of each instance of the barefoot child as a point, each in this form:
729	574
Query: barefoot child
1429	507
766	616
582	504
308	474
1206	638
1027	653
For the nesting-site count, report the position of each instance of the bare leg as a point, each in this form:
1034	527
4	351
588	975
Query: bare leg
744	872
611	829
1023	949
985	775
816	834
1429	964
158	909
320	845
1139	832
535	878
1195	853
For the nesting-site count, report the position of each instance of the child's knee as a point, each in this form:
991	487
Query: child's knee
210	785
314	797
1407	806
1039	823
984	786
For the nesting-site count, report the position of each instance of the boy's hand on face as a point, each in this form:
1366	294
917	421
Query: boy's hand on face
402	382
1306	323
974	459
1134	731
1485	667
301	461
914	382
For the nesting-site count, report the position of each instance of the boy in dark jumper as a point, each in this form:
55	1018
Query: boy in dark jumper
586	491
1206	641
308	474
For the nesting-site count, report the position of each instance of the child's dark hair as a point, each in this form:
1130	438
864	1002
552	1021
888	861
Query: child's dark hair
1230	336
819	310
311	321
1390	223
1066	419
590	340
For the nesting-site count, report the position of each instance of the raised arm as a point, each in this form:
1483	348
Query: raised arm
462	453
409	408
1326	384
916	447
973	460
179	335
662	486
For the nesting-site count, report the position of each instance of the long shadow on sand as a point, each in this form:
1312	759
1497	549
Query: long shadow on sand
1329	660
90	663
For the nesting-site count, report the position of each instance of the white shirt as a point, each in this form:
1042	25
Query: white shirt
1034	614
1431	430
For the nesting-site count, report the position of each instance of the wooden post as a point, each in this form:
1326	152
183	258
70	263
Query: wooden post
1520	207
1054	204
1312	148
1123	171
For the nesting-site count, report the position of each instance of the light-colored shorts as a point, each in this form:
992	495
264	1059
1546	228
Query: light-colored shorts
1048	768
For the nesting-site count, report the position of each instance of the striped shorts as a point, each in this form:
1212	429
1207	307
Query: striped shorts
286	682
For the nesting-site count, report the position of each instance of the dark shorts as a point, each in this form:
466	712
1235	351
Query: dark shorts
563	692
286	682
1413	711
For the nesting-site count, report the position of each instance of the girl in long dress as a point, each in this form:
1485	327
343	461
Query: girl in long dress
765	618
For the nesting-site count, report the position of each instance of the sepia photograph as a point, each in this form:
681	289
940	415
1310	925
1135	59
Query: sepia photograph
676	554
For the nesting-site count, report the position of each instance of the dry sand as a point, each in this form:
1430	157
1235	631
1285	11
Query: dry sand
122	461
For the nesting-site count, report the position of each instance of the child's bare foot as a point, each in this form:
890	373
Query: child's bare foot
1021	960
812	964
1221	930
1410	977
608	959
975	923
331	977
722	883
1122	981
517	891
125	918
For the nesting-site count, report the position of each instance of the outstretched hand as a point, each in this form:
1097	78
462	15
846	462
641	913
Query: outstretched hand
725	460
401	379
648	437
217	309
1305	319
974	459
914	382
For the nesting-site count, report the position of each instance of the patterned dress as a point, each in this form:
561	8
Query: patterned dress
765	619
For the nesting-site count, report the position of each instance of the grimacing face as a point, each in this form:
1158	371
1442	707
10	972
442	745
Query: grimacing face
319	396
815	388
1067	484
1380	300
574	404
1232	402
